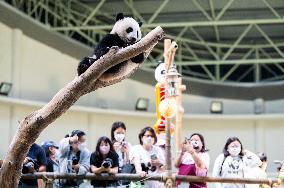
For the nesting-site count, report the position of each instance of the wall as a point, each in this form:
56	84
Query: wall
258	133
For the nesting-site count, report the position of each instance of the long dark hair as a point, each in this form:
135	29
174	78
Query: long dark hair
116	125
229	141
203	149
143	131
107	140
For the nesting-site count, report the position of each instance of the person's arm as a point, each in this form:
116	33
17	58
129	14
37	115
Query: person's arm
113	170
196	157
138	167
135	159
178	159
98	170
42	162
125	149
65	143
40	182
217	168
84	163
160	161
179	156
251	159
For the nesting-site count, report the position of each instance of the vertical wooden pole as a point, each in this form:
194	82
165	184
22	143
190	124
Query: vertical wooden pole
167	44
180	112
168	156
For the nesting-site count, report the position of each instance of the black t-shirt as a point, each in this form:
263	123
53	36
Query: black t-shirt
97	161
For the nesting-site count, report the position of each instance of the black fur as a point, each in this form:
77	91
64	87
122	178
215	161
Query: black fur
119	16
103	47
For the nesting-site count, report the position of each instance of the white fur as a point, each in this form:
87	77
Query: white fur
120	27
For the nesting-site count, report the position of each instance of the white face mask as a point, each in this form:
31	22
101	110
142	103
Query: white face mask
104	149
147	140
119	137
234	151
82	146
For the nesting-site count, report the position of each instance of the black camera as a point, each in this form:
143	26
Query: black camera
30	166
145	167
75	160
107	163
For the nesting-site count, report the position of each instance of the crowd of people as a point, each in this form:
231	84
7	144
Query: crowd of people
116	155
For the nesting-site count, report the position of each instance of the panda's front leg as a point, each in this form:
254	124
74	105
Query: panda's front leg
85	63
138	59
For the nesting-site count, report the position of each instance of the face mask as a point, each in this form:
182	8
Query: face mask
234	151
82	146
104	149
119	137
147	140
195	144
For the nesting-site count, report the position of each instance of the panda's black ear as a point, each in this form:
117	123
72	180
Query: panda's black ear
140	23
119	16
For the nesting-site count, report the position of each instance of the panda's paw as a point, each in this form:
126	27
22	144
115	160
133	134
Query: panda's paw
114	47
93	57
138	59
82	68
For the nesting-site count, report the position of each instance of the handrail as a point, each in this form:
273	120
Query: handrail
161	177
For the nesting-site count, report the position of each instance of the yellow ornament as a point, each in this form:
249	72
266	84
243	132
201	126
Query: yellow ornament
168	107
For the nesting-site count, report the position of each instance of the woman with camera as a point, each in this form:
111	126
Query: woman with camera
147	157
235	162
193	159
121	147
104	160
74	157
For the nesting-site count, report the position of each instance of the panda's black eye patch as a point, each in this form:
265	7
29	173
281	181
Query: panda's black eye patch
129	29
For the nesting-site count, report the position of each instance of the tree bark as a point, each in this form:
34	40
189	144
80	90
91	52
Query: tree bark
95	77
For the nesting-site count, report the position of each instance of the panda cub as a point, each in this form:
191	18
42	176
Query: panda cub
126	31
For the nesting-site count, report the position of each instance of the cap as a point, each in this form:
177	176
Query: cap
49	143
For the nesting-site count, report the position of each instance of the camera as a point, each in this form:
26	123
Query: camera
30	166
123	144
107	163
75	160
154	157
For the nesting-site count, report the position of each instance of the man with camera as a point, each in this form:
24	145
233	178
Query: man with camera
74	157
34	162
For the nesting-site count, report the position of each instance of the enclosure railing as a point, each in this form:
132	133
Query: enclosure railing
51	176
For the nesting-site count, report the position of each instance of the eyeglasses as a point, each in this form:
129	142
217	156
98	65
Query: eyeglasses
149	136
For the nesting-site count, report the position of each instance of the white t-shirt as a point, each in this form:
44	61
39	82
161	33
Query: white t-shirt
121	155
144	156
235	167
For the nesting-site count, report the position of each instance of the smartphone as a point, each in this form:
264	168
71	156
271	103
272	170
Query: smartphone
153	157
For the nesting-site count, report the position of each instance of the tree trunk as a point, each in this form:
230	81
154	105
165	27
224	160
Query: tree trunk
94	78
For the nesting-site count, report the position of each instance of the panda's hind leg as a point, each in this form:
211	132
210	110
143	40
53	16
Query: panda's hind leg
138	59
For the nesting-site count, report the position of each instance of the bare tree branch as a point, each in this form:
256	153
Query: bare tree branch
95	77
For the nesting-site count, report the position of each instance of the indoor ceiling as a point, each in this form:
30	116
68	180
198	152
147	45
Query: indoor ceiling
223	42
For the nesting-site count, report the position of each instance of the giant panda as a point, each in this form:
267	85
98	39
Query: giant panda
126	31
